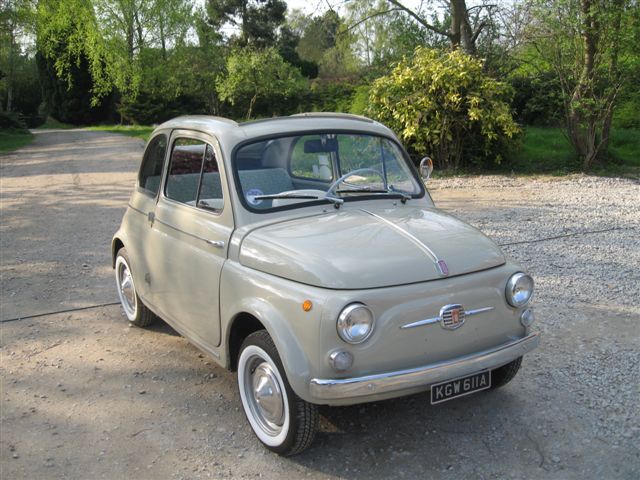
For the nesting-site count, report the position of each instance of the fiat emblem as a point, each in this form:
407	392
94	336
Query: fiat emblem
452	316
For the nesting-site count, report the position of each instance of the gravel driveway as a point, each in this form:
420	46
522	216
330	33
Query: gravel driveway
85	396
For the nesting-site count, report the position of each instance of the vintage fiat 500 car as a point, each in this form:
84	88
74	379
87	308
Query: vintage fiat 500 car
305	253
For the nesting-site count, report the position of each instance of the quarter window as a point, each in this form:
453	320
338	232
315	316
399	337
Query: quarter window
194	177
151	167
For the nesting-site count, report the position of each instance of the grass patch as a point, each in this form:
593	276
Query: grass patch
10	141
53	124
543	150
547	150
138	131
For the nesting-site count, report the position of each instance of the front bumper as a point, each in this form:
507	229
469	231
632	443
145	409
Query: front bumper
383	383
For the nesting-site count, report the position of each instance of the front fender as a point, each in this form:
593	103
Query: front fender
277	304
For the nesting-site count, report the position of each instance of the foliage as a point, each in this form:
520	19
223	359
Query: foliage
587	43
10	141
16	22
627	115
257	20
445	106
261	79
70	99
537	99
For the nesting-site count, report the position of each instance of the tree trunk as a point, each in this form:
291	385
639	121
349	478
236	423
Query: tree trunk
461	33
11	72
582	117
163	40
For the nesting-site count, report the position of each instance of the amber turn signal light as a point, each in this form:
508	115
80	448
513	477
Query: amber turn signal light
307	305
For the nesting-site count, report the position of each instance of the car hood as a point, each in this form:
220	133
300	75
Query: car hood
369	248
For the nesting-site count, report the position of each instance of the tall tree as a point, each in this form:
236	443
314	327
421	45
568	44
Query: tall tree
257	20
74	62
16	21
254	75
465	23
585	42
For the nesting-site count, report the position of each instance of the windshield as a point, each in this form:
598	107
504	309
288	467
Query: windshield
322	167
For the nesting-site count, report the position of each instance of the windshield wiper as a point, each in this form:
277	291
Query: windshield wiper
405	195
361	190
284	195
335	200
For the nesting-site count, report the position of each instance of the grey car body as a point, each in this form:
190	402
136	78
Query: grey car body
223	268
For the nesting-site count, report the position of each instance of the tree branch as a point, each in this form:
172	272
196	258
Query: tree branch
373	15
477	31
419	19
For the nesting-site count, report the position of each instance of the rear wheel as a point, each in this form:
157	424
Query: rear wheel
137	313
281	420
503	375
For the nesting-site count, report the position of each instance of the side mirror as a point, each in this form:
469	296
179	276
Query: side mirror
426	167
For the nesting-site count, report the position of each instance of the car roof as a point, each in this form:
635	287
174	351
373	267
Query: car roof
228	130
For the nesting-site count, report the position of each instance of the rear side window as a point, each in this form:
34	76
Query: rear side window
151	168
193	176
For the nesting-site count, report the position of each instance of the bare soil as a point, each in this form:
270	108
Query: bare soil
85	396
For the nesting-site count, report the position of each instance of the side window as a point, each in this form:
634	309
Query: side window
151	167
313	165
194	177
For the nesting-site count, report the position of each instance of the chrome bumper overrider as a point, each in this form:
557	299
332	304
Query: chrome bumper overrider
334	389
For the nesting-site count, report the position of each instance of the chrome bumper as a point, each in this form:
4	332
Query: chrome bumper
334	389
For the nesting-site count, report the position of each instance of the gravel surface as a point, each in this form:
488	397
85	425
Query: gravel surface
85	396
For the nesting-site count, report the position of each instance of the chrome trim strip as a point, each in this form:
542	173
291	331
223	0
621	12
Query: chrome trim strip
429	321
416	241
476	311
419	323
420	377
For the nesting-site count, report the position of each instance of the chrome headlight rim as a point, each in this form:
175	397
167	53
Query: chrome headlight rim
512	284
342	323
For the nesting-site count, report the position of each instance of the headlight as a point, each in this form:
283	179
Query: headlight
519	289
355	323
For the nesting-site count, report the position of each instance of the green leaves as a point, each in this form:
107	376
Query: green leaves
254	75
442	103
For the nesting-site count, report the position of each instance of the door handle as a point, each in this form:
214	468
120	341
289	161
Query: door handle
151	217
215	243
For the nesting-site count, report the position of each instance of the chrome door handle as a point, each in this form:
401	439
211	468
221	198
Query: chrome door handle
215	243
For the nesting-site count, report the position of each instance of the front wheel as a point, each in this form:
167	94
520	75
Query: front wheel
503	375
281	420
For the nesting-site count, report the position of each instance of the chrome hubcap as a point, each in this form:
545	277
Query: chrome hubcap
264	395
126	290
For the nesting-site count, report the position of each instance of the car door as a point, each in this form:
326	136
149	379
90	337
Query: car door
190	236
142	210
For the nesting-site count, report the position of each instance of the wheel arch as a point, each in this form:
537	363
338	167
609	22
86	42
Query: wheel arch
242	325
116	244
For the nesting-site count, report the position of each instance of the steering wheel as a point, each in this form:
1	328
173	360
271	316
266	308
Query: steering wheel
331	191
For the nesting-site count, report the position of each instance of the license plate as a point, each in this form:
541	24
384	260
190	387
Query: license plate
459	387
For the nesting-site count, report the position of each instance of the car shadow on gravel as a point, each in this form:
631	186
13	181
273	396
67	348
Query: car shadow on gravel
409	437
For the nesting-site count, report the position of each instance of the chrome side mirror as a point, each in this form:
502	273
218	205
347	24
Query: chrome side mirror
426	167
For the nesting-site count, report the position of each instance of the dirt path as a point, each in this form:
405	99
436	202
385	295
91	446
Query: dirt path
61	200
84	396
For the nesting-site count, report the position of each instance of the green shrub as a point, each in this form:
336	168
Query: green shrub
445	106
537	99
627	114
13	122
